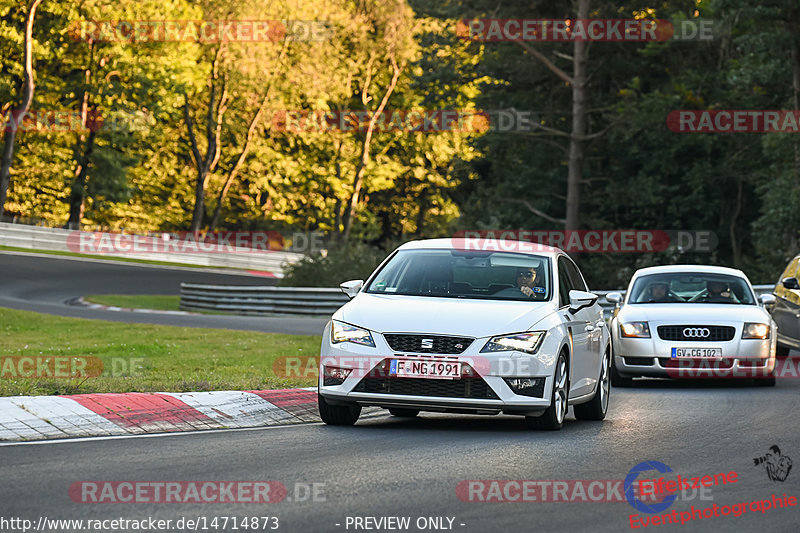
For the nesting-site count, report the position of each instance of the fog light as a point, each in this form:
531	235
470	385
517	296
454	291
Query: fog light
526	386
332	375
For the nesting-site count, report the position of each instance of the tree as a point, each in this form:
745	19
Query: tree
26	97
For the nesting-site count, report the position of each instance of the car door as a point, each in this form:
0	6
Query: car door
580	327
786	311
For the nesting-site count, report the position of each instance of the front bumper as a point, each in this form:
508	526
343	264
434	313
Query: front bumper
741	358
483	391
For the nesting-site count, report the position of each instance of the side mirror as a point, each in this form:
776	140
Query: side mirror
767	299
351	288
580	299
790	283
614	298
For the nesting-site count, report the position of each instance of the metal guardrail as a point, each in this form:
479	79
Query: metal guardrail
299	300
41	238
258	300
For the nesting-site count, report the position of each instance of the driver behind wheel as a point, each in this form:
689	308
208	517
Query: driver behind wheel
718	291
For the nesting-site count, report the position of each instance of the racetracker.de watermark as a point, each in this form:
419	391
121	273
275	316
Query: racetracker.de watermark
211	242
600	241
567	30
732	368
203	492
404	120
734	121
68	366
561	491
66	120
202	31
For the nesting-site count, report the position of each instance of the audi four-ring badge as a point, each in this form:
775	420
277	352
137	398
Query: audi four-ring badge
692	321
471	327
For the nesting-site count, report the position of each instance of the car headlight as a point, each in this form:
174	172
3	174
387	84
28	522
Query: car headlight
755	330
527	342
639	330
341	332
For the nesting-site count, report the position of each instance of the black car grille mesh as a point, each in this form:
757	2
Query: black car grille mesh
474	388
400	342
715	333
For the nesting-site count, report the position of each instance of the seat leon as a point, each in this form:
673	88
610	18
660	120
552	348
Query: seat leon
472	327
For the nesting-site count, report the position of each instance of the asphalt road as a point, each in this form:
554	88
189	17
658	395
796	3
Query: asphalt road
393	467
46	284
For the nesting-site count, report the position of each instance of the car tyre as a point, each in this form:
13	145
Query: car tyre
781	351
338	415
597	407
553	417
618	380
403	413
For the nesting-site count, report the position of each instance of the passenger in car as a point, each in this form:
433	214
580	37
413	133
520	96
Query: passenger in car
659	293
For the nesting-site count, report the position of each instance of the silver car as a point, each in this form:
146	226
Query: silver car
692	321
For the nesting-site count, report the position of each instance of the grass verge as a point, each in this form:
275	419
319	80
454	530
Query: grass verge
117	357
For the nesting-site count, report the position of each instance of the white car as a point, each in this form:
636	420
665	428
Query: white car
451	325
692	321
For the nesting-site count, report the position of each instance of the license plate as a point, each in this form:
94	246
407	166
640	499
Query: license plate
696	352
420	368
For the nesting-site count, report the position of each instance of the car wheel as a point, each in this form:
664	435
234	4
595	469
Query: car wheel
404	413
618	380
597	407
782	351
338	415
553	418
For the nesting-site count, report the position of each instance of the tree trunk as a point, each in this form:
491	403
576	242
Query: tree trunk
78	192
576	140
28	87
358	182
206	165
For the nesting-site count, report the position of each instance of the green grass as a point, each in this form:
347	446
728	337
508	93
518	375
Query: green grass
107	257
161	302
145	357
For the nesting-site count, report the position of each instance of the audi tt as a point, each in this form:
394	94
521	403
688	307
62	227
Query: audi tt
692	321
472	327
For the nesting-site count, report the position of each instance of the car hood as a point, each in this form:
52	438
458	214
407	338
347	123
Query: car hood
690	313
447	316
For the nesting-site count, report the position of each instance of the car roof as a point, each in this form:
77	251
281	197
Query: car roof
482	244
707	269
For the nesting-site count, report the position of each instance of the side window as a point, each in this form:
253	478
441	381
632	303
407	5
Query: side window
577	280
564	281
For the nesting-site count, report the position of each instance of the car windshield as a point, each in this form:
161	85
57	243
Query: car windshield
691	287
465	274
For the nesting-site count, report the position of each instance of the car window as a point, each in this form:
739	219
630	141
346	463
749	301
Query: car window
564	281
578	282
691	287
464	274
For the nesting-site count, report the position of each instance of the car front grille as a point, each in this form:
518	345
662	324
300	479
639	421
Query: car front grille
697	333
401	342
474	388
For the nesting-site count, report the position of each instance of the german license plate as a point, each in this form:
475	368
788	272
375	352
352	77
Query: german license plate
420	368
696	352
